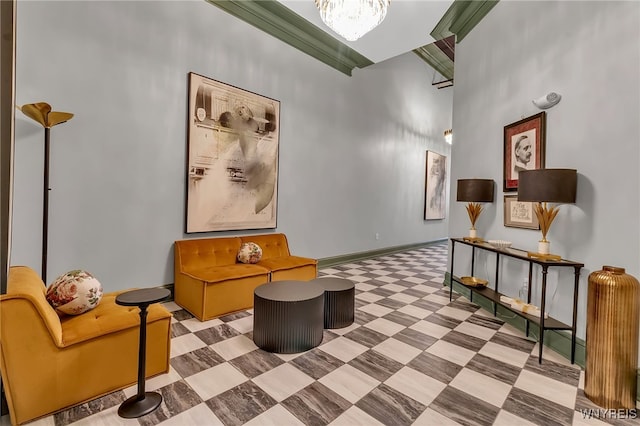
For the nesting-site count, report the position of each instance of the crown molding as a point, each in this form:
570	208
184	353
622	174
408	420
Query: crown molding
461	17
277	20
438	60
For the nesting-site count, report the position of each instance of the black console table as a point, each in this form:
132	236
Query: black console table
143	402
494	295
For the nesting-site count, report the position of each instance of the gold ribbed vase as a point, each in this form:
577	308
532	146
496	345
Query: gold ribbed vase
612	338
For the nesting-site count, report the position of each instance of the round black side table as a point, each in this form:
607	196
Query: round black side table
339	301
143	402
288	316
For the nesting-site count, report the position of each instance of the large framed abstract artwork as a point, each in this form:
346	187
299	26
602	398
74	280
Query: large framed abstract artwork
232	164
524	145
435	185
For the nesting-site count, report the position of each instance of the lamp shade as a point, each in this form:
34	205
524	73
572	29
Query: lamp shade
475	190
548	185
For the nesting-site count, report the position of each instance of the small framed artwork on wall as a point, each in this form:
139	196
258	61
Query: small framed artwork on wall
519	214
435	183
524	146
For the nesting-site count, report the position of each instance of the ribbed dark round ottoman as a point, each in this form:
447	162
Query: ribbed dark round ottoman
339	301
288	316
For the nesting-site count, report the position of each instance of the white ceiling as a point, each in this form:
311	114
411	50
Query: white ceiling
406	27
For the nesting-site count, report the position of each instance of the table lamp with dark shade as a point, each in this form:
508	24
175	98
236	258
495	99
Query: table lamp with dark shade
475	191
544	186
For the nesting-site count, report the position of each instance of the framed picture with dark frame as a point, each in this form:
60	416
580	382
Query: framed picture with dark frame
524	148
232	158
519	214
435	184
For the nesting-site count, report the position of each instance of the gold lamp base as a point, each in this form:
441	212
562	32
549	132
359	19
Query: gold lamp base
544	256
474	239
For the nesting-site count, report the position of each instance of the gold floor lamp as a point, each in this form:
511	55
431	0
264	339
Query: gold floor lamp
41	112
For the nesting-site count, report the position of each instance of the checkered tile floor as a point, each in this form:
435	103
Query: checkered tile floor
411	357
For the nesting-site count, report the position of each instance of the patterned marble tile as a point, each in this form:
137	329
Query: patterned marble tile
427	304
283	381
355	417
217	334
87	409
553	370
401	318
316	363
536	409
234	316
390	407
464	408
376	365
435	367
195	361
493	368
443	320
547	388
412	383
485	321
176	398
256	362
177	329
513	342
181	315
366	336
349	382
482	387
464	340
275	416
390	303
240	404
451	352
316	404
415	338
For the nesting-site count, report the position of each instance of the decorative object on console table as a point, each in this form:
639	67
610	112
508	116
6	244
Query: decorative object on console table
547	186
612	338
435	184
524	146
232	164
519	214
41	112
475	191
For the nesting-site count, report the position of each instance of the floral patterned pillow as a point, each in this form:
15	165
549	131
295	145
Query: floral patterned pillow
249	253
74	293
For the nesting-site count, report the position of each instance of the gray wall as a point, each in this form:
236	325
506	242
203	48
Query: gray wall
590	53
352	149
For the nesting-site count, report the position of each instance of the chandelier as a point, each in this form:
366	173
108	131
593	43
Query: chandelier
352	19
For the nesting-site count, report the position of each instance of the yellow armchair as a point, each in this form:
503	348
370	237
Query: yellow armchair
50	363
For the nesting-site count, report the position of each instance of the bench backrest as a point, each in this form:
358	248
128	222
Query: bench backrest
191	255
272	245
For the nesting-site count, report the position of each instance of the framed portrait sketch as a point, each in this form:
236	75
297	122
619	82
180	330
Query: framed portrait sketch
232	158
524	143
519	214
435	185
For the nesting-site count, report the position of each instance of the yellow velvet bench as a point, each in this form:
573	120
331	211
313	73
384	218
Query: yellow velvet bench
50	363
277	258
210	282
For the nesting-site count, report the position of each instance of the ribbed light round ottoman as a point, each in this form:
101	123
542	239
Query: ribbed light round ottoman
288	316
